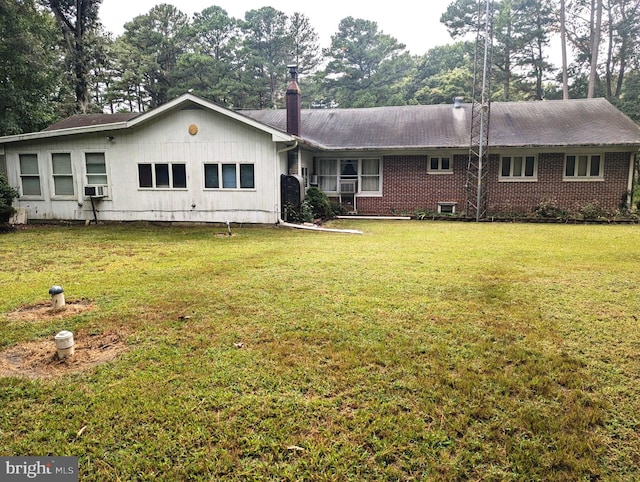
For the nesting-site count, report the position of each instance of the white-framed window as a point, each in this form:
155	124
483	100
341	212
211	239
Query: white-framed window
96	168
519	168
365	172
440	165
328	175
62	174
370	175
162	175
30	175
447	207
583	167
229	176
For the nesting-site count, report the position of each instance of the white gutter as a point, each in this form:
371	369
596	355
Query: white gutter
632	159
287	149
277	183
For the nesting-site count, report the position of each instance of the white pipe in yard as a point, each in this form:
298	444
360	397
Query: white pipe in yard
64	344
377	218
317	228
57	298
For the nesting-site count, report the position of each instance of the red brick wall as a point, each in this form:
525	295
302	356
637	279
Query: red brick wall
523	197
408	187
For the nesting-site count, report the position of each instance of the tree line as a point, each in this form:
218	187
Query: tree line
56	58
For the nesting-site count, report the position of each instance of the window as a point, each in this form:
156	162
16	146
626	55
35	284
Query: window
584	166
446	207
348	169
366	173
515	168
440	165
229	176
96	168
370	177
328	175
30	175
162	176
62	174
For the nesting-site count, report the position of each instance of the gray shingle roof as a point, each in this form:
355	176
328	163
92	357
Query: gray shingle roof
86	120
555	123
578	122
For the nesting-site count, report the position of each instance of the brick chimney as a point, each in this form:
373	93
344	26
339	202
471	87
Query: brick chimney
293	102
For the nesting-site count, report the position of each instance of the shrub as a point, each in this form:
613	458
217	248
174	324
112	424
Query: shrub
548	209
7	195
319	203
592	210
336	209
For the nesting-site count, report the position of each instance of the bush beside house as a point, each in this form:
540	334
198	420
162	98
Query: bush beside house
7	195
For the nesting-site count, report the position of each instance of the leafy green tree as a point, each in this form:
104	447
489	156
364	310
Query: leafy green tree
29	69
461	18
151	45
628	100
102	69
532	23
366	67
125	87
267	49
443	73
305	47
209	68
521	32
77	19
622	38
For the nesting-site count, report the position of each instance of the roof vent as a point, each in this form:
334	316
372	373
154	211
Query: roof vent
457	102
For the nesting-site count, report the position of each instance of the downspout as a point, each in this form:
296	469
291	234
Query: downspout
277	185
632	165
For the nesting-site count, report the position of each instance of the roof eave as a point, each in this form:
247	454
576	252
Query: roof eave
586	145
62	132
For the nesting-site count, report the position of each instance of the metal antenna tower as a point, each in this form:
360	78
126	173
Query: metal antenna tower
476	181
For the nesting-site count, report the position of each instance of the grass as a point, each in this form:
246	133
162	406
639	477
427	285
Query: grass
417	351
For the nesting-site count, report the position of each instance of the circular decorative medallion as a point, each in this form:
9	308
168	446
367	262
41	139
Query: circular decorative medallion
193	129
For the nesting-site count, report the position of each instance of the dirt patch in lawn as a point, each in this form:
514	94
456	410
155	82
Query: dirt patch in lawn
43	311
39	359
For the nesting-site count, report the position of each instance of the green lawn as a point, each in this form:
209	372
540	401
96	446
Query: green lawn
417	351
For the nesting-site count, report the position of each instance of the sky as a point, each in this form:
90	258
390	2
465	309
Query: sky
415	24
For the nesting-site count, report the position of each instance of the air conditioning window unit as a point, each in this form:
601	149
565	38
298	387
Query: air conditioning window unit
347	187
95	191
